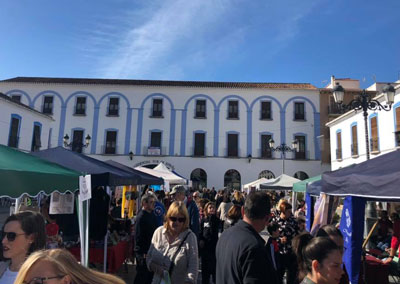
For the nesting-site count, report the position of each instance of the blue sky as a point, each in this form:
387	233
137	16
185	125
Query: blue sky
205	40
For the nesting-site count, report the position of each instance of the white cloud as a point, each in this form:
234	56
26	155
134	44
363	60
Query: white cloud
165	38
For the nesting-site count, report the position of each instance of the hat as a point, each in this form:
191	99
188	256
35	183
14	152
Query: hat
178	189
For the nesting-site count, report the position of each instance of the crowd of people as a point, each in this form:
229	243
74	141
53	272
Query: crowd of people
219	234
184	232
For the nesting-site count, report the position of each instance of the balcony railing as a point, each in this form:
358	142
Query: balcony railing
339	154
232	153
109	150
374	144
154	151
199	152
334	109
354	149
300	155
13	141
265	153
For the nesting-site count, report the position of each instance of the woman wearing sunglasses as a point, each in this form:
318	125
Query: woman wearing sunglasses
173	254
59	266
22	234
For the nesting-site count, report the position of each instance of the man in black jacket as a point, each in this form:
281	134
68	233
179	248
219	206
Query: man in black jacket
146	224
241	253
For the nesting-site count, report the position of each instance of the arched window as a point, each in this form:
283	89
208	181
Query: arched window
266	174
301	175
198	178
232	180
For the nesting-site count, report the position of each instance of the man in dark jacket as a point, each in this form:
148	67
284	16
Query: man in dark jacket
241	253
146	224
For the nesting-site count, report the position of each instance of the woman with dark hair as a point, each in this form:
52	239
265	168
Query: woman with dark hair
330	231
319	259
288	229
234	215
208	242
224	207
22	234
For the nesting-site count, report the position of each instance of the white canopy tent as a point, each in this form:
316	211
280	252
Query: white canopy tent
163	172
283	182
255	184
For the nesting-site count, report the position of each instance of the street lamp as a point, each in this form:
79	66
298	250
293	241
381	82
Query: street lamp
284	148
66	144
364	102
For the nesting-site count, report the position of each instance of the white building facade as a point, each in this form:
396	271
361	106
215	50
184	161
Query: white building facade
348	136
23	127
215	133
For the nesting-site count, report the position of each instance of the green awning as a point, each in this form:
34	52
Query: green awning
22	173
301	186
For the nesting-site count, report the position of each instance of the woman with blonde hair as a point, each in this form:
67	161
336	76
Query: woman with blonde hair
173	253
59	266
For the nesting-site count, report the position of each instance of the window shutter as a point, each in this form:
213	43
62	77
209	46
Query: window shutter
398	119
354	134
339	140
374	128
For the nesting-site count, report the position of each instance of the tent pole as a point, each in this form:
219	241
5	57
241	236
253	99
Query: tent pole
87	234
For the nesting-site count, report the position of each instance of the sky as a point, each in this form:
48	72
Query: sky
202	40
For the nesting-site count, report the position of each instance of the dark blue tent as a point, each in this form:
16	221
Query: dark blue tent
146	178
101	172
376	179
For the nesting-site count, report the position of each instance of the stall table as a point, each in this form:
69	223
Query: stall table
116	255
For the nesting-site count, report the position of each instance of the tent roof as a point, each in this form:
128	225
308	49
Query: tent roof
102	173
146	178
283	182
164	173
378	178
22	173
301	185
256	183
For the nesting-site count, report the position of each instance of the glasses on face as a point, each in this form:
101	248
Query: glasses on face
11	236
40	280
180	220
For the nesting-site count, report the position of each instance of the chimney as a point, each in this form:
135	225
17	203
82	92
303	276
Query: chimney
333	81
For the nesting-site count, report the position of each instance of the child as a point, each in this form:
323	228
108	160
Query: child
208	242
272	244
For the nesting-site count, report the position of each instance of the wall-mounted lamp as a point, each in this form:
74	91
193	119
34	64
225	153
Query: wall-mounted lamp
249	158
66	139
131	155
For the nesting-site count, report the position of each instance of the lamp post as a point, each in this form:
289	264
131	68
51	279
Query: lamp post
364	102
87	140
283	148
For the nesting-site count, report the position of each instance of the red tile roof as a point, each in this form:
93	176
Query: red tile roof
200	84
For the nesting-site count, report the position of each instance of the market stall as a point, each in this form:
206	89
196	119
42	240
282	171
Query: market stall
372	180
255	184
163	172
103	175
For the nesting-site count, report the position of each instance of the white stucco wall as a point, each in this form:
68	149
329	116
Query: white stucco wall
136	101
386	128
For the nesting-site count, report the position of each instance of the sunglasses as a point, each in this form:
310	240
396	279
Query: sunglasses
40	280
11	236
180	220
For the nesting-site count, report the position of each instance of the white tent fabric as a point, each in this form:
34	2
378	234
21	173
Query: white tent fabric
255	184
283	182
163	172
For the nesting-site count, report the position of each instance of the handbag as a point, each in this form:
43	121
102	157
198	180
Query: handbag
171	267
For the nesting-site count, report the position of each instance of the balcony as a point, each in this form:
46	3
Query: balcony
397	138
199	152
107	150
13	141
232	153
265	153
300	155
339	156
374	145
154	151
335	110
354	150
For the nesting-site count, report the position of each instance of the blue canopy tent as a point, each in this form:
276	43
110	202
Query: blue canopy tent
101	172
373	180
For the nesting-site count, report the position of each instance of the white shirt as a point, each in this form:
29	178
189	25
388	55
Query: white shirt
8	277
